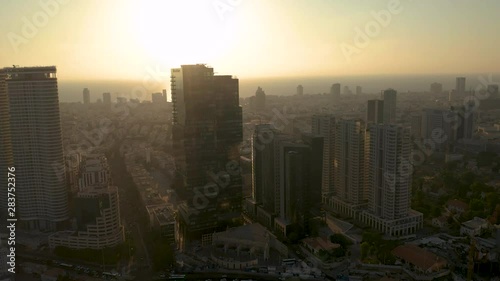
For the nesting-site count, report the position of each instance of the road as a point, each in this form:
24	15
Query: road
133	216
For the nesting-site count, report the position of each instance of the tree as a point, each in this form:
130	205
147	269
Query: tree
340	239
163	256
365	250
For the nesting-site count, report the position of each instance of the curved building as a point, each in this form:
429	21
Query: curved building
36	139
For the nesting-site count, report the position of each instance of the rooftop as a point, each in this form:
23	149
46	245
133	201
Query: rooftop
419	257
320	243
474	223
459	204
253	232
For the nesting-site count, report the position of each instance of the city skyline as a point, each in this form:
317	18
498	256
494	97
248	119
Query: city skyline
136	39
250	140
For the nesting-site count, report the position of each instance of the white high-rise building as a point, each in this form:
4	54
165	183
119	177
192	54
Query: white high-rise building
324	125
35	134
389	180
349	161
96	208
349	193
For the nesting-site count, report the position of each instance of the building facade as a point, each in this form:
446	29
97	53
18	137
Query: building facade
207	129
30	99
324	125
389	96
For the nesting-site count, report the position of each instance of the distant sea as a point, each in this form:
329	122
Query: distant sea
71	91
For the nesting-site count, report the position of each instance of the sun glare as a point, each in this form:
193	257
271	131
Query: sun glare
166	35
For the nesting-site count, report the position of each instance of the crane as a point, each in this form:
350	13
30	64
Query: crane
470	263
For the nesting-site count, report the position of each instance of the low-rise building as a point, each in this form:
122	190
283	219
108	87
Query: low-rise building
52	274
162	219
418	261
457	206
317	244
245	246
473	227
441	221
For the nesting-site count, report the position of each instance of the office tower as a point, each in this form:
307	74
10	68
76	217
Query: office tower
297	177
316	152
444	127
294	203
262	167
436	88
300	90
433	124
324	125
96	208
375	111
207	128
260	99
460	86
389	180
158	98
335	90
36	145
389	106
359	90
86	96
493	91
106	98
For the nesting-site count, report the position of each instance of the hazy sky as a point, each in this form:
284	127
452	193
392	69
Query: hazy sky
124	39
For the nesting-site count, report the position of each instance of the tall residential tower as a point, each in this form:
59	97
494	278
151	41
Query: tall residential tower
34	130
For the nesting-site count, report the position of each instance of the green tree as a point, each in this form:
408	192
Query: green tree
163	256
365	250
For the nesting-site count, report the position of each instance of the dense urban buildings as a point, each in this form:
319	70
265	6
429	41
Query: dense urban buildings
436	88
287	174
34	130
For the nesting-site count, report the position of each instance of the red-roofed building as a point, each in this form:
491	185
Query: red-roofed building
419	260
457	206
316	244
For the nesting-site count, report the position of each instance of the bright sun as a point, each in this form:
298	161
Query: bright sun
165	34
